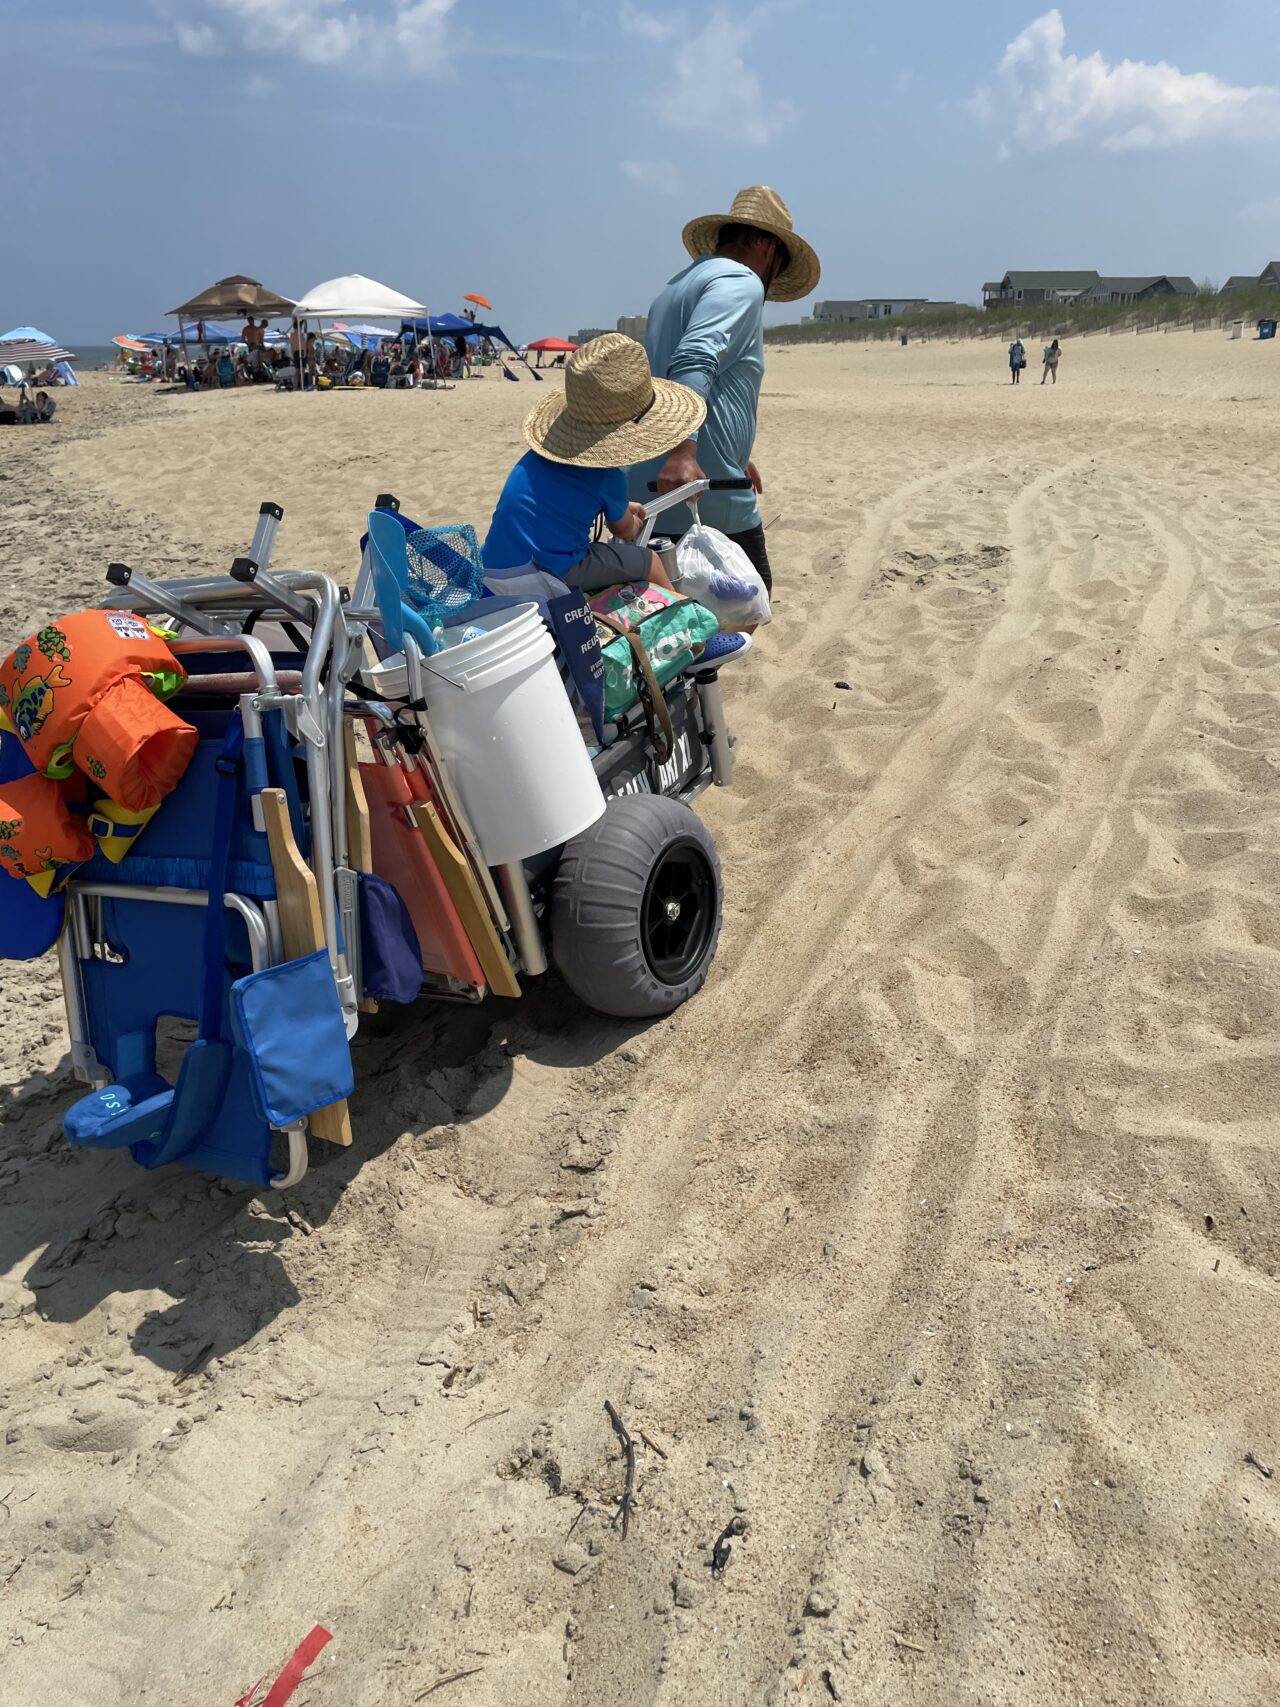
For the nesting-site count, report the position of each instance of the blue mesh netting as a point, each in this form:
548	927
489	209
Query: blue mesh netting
445	575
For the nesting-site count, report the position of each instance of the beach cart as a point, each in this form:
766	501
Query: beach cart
366	820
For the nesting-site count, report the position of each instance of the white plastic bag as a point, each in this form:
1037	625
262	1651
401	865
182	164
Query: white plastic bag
720	576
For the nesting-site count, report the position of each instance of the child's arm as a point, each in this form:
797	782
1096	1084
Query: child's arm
628	525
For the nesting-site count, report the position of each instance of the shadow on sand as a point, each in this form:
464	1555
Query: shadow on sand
96	1226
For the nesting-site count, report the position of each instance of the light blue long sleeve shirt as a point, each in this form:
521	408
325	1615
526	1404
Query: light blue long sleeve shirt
706	330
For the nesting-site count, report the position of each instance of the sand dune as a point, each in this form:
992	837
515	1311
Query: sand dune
936	1239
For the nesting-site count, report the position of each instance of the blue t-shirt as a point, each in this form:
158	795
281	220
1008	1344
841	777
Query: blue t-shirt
547	512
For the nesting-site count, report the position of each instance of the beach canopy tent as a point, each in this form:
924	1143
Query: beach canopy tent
454	326
235	295
354	297
559	346
50	350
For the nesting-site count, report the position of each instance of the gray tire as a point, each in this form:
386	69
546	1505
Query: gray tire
635	908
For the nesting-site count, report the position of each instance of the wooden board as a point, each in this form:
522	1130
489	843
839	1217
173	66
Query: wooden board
301	929
359	839
467	897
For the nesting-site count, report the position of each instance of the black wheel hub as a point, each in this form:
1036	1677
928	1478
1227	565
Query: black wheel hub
678	913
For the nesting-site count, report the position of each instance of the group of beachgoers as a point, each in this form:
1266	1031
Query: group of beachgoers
394	364
310	358
1018	361
31	409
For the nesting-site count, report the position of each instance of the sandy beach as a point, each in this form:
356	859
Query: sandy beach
937	1239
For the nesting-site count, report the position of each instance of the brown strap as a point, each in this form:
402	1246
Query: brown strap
653	702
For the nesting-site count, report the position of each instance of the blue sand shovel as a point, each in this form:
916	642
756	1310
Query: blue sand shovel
390	562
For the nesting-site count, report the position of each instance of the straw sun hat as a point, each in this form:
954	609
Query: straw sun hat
766	211
613	412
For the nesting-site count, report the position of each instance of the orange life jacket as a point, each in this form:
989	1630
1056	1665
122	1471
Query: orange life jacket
37	831
86	691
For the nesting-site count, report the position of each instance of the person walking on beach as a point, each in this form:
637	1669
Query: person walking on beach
1051	355
706	330
1017	358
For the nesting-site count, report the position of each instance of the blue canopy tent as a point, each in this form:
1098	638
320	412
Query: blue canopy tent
33	335
213	335
452	326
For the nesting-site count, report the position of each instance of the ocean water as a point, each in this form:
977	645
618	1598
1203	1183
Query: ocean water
94	355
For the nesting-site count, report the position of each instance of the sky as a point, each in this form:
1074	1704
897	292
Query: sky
548	154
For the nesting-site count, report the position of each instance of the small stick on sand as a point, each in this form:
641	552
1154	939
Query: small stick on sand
450	1677
629	1448
902	1642
487	1417
652	1444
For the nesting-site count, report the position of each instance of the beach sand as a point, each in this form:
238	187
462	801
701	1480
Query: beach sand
937	1239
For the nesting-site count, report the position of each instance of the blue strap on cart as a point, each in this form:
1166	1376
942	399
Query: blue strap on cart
158	1121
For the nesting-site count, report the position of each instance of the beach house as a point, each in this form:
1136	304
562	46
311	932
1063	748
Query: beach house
1267	279
1138	289
869	308
1037	287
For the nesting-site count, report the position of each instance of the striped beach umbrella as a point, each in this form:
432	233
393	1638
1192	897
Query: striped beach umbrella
27	350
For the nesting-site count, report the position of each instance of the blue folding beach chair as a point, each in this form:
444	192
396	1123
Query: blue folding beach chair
185	927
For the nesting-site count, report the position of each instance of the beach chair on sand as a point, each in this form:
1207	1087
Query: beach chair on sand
189	926
231	913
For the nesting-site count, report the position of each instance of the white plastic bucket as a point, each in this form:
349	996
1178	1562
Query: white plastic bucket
508	737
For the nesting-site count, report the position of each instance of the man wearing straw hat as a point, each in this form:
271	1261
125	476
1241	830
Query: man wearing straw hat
706	331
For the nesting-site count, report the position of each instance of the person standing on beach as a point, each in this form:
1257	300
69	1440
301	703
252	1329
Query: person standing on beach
706	330
1051	355
1017	358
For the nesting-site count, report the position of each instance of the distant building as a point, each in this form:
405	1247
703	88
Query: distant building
1037	287
1267	279
869	308
586	333
1138	289
633	325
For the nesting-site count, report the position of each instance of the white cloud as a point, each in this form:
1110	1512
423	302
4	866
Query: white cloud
658	175
714	89
196	38
1045	97
410	34
651	26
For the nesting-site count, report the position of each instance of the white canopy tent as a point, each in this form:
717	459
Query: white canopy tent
353	297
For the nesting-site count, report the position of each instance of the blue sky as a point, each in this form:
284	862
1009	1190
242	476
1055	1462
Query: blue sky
548	154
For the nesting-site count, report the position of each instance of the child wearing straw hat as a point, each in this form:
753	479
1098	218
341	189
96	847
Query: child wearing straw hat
612	413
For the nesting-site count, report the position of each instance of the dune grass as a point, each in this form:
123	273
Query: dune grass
1042	320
